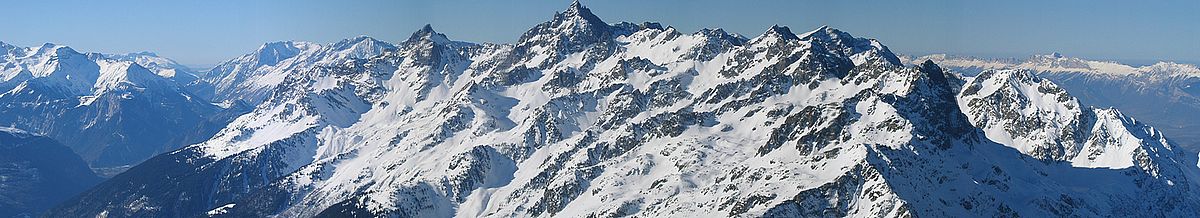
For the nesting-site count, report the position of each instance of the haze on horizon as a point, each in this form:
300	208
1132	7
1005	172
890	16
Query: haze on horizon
206	32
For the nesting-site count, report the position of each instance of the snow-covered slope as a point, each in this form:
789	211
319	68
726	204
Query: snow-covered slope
164	67
252	77
1165	95
108	108
1036	117
584	118
37	173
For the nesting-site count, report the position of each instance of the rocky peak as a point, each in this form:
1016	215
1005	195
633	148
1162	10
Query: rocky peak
359	47
115	73
426	33
576	25
579	18
55	50
826	33
627	28
6	49
357	41
653	25
860	50
272	53
713	33
781	32
719	36
577	10
1018	109
574	30
934	72
928	64
1025	112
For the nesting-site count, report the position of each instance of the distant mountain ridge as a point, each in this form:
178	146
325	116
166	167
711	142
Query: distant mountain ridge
108	108
1165	94
252	77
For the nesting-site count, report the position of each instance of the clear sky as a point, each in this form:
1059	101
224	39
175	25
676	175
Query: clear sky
205	32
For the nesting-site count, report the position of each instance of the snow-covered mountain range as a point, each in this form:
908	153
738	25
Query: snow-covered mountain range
251	78
116	110
1165	95
584	118
161	66
110	109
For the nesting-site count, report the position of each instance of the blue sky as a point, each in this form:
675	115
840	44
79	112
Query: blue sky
205	32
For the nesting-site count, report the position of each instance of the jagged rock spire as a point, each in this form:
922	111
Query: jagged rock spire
575	6
570	31
577	10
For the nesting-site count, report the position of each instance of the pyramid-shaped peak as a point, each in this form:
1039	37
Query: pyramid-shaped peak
361	42
576	25
928	64
427	33
577	10
780	31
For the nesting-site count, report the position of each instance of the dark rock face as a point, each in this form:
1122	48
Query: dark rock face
235	178
37	172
